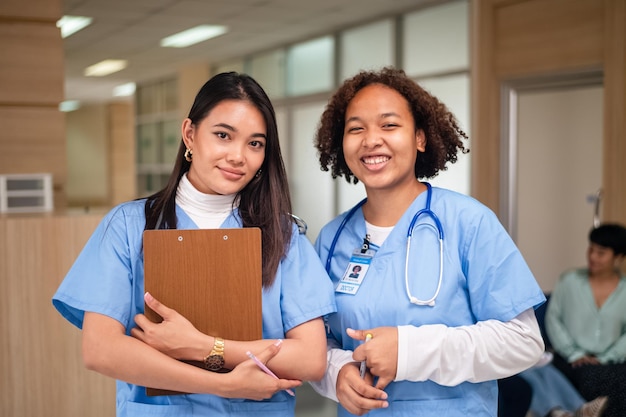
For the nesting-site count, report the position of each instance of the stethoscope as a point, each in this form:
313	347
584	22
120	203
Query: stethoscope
437	228
302	226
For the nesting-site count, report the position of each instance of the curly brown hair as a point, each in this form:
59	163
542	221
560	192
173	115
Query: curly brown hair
443	135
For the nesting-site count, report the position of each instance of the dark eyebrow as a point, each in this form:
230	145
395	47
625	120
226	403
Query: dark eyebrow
234	129
352	119
226	126
382	116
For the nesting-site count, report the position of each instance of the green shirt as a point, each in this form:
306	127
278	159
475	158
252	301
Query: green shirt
575	325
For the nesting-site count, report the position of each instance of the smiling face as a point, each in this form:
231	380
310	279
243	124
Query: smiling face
228	147
380	142
601	260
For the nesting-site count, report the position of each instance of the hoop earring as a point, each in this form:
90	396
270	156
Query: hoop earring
188	155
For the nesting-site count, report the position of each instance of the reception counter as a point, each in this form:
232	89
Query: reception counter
40	353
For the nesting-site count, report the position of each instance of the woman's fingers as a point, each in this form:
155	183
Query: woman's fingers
156	306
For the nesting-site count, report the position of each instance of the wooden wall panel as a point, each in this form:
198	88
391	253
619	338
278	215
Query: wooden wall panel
563	34
614	181
32	140
31	64
34	9
42	371
485	152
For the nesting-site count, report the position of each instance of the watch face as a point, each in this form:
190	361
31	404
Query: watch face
214	362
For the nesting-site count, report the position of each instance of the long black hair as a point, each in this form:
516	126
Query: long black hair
264	202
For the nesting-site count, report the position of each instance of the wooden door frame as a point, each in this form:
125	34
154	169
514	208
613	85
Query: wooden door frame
518	39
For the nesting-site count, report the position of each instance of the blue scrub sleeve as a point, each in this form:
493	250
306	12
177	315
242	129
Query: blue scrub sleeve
307	292
500	282
100	280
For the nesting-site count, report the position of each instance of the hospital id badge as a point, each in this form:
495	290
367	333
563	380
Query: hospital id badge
355	272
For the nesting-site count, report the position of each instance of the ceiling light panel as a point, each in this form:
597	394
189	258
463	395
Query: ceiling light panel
72	24
124	90
192	36
106	67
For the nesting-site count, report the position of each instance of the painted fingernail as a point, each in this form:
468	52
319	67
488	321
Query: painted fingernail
278	342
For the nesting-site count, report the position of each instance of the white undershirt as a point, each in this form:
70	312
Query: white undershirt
208	211
377	234
484	351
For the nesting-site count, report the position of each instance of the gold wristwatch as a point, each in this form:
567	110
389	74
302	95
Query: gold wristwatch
214	361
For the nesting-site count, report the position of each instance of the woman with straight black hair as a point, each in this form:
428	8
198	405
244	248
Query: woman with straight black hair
229	173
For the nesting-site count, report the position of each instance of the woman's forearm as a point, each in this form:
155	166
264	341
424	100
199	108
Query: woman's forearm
302	355
109	351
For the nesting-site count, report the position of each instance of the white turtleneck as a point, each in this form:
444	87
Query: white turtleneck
208	211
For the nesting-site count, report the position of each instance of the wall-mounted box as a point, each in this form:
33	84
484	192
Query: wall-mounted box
26	193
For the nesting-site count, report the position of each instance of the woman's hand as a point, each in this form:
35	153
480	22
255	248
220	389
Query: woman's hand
247	380
175	336
380	353
585	360
357	395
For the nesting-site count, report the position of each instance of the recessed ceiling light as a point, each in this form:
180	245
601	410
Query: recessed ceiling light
106	67
192	36
72	24
69	105
124	90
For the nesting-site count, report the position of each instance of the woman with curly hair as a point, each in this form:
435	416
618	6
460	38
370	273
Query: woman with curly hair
444	299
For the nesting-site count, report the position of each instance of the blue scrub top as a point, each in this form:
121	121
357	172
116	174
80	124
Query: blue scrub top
108	278
484	277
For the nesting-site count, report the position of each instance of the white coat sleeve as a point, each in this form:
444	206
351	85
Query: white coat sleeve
336	359
484	351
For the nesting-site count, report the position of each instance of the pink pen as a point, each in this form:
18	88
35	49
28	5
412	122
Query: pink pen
266	370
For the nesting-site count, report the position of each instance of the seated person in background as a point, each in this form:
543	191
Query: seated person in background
586	321
554	396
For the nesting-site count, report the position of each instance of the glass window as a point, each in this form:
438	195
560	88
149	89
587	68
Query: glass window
171	138
170	95
436	39
312	189
146	99
282	120
158	133
269	70
453	91
236	65
148	143
310	66
367	47
149	183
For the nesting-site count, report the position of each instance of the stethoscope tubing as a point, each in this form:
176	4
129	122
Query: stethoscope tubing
331	250
438	227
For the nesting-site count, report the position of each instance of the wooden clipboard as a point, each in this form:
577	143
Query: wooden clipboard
213	277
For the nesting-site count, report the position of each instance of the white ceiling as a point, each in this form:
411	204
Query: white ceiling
132	29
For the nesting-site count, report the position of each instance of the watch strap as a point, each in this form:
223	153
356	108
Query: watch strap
214	361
